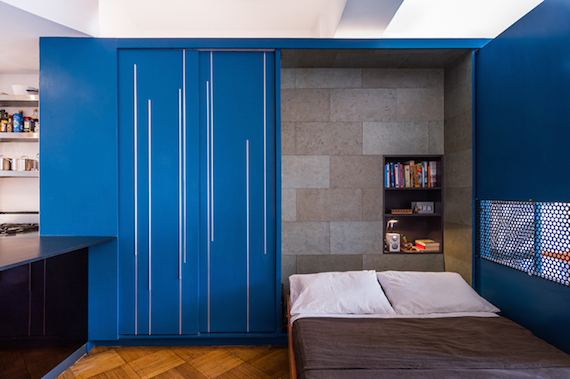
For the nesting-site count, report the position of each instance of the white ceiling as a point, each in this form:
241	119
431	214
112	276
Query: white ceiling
24	21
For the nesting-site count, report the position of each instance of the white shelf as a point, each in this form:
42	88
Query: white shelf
19	174
18	100
19	137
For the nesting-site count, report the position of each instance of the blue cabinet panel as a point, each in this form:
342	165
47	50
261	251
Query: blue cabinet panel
236	294
197	192
151	96
522	114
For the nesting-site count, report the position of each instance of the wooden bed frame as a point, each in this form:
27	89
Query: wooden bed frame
292	368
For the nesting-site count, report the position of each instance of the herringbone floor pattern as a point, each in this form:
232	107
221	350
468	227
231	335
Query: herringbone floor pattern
177	362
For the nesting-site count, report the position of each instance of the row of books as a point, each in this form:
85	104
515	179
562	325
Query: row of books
410	174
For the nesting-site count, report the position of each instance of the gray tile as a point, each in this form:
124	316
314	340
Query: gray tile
419	104
356	171
436	137
329	138
313	204
372	208
288	78
458	132
370	58
461	267
458	241
345	204
303	58
457	207
458	169
288	138
356	238
363	105
329	204
402	78
300	238
403	262
381	138
288	268
329	78
308	264
305	104
288	204
305	171
458	97
459	71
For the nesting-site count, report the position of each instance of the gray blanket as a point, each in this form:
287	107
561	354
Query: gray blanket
463	347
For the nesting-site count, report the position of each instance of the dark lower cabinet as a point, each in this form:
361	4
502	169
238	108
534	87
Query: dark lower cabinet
14	300
45	302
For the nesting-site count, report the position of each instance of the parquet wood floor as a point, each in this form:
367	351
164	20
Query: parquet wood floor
182	362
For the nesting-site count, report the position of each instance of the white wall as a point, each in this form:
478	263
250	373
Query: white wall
6	81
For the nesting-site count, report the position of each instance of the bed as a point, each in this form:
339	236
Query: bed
408	325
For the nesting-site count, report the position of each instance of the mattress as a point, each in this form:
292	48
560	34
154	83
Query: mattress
461	347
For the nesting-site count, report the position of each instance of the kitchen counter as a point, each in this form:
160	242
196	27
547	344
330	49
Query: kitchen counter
26	248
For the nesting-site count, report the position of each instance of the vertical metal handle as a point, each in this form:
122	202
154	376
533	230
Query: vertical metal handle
149	194
208	200
180	185
136	194
149	216
184	150
247	224
264	154
212	142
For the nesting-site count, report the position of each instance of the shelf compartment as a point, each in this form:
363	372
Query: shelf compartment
19	137
19	174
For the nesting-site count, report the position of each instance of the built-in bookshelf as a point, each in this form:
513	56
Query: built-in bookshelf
413	196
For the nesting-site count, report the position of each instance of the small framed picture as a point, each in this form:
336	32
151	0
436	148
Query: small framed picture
423	206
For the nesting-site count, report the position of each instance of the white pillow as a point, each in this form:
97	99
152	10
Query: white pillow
338	293
431	292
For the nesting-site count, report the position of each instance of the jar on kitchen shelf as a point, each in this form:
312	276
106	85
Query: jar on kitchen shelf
27	124
18	121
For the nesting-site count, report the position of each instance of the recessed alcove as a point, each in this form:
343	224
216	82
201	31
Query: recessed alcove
341	111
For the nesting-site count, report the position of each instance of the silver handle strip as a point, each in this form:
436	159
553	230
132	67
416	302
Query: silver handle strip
264	154
149	196
184	149
149	312
149	218
212	140
208	198
136	169
45	291
180	200
247	222
180	307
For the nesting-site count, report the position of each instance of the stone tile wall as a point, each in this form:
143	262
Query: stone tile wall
336	126
458	168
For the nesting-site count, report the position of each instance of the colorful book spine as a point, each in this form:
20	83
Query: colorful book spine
433	173
392	179
407	181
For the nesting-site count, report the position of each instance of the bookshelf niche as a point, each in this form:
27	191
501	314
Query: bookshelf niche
405	188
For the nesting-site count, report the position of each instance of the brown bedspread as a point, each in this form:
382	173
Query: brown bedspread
463	347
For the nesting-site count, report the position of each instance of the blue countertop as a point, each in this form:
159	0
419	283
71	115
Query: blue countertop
19	249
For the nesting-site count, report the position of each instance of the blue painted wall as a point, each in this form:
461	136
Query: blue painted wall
78	154
522	134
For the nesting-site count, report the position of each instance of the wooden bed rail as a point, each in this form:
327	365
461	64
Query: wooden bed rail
292	367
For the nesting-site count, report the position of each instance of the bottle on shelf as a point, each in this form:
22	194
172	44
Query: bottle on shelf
35	126
18	122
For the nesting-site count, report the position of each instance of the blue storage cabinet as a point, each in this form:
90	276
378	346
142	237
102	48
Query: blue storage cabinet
197	192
